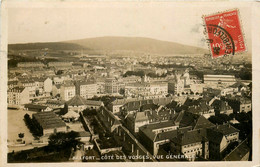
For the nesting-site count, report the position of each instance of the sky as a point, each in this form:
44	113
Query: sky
176	22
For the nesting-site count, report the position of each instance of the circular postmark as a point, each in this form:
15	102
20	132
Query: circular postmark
220	41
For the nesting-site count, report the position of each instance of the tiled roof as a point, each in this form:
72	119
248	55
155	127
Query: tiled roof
149	107
76	101
238	153
238	84
202	122
225	129
94	103
189	137
141	116
221	105
35	106
84	134
215	137
16	89
48	120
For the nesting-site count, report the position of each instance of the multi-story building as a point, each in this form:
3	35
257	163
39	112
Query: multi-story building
88	89
157	134
191	144
182	82
131	79
222	107
245	105
215	80
219	138
240	104
113	86
67	92
18	96
100	85
146	89
30	84
47	85
159	88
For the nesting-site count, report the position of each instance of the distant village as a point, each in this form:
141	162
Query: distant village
146	108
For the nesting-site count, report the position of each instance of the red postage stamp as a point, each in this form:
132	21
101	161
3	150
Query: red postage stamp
224	33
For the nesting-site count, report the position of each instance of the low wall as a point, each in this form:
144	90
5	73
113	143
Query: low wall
106	150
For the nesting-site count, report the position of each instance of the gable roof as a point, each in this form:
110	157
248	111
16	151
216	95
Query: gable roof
189	137
238	84
215	137
77	100
225	129
141	116
35	106
202	122
238	153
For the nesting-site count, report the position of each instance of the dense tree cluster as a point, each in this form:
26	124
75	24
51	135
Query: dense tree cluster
62	140
34	129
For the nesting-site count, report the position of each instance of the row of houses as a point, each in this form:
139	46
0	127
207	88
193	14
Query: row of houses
189	135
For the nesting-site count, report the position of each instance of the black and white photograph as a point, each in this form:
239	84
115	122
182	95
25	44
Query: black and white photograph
149	81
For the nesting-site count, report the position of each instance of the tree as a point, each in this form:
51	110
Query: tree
216	120
64	140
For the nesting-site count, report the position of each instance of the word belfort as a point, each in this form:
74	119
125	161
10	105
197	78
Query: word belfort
132	157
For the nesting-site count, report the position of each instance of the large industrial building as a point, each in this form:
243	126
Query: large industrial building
49	123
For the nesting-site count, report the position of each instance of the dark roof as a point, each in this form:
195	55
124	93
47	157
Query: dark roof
12	82
35	106
141	116
238	84
221	105
225	129
77	100
159	125
56	102
84	134
189	137
213	136
148	131
149	107
48	120
16	89
217	133
238	153
188	119
135	105
202	122
57	86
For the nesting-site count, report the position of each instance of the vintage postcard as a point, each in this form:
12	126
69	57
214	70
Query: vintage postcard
141	83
